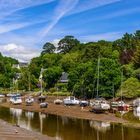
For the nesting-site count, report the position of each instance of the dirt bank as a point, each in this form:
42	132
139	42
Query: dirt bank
72	111
10	132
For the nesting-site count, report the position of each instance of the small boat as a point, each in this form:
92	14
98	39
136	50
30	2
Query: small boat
71	100
58	101
100	106
114	104
44	105
41	98
2	95
84	103
16	99
136	102
137	111
122	106
29	100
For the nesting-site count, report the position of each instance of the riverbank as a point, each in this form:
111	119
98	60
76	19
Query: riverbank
68	111
13	132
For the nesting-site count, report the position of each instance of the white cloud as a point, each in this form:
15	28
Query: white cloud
55	42
23	54
103	36
7	7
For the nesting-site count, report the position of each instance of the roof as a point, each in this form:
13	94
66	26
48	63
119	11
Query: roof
64	77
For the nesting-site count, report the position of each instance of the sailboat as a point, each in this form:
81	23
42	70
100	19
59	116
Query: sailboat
122	106
100	105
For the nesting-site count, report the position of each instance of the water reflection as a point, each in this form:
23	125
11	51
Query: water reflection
30	116
64	128
16	112
42	116
101	126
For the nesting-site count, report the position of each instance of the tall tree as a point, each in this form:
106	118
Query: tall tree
67	43
48	48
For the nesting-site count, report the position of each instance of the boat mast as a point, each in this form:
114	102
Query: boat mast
121	84
98	68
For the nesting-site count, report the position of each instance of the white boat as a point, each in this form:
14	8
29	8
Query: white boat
2	95
99	105
16	100
29	100
58	101
136	102
137	111
71	100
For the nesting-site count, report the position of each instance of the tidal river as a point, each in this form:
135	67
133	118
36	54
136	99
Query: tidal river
64	128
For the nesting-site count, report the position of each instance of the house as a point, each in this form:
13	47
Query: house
64	78
20	65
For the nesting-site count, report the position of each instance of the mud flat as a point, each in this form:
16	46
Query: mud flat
11	132
68	111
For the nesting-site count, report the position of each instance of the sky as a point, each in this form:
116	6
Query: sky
26	25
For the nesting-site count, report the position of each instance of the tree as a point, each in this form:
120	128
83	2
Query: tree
48	48
51	76
130	88
49	60
67	43
136	58
69	61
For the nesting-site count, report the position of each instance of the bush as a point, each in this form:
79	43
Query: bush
130	88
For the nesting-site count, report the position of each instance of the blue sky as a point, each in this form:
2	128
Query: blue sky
26	25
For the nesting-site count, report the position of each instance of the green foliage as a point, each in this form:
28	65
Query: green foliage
67	43
130	88
79	60
136	58
128	70
6	71
48	48
69	61
49	60
51	76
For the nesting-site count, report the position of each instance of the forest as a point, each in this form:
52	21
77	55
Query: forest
118	72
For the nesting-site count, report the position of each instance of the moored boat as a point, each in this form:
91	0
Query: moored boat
71	100
29	100
58	101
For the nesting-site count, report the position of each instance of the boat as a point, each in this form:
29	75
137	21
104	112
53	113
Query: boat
44	105
2	95
29	100
84	103
100	105
16	99
136	102
41	98
137	111
71	100
58	101
122	106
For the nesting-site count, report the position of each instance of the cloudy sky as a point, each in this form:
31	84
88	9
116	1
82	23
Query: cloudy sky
25	25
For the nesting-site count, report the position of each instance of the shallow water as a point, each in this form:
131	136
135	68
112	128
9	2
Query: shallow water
64	128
